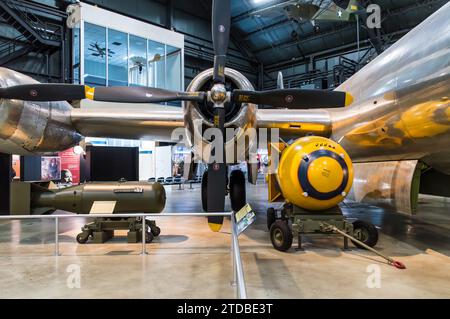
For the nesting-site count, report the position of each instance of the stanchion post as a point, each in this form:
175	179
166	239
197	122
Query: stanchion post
233	260
143	232
56	236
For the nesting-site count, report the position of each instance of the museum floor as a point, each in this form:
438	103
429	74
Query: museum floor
189	261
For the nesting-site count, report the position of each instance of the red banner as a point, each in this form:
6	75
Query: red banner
71	162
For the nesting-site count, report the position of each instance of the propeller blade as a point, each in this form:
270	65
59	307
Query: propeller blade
44	92
217	179
295	98
140	94
217	172
221	24
120	94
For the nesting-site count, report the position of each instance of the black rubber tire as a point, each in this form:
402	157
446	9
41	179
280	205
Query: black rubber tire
271	217
149	237
156	231
205	191
82	239
365	232
281	235
237	190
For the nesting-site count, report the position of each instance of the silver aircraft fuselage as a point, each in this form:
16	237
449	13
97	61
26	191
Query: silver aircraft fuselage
401	107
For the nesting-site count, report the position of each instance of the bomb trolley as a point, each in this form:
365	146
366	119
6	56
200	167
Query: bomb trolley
102	229
292	221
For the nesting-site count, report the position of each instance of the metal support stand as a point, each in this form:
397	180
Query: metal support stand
357	39
233	261
345	243
56	236
240	280
299	242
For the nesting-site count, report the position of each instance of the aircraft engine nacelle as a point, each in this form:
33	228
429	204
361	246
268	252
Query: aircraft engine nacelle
27	127
239	116
315	173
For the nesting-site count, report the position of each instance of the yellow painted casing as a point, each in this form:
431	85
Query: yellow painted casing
327	169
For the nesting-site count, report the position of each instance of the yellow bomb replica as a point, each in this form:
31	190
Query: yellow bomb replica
315	173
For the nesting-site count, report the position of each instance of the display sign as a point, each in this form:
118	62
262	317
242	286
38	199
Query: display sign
16	166
50	168
103	207
244	218
70	164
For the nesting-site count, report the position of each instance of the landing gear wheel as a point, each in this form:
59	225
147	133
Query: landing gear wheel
281	235
237	190
205	191
366	233
82	238
271	217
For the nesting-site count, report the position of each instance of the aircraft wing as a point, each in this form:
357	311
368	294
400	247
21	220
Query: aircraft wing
336	13
129	121
295	123
276	9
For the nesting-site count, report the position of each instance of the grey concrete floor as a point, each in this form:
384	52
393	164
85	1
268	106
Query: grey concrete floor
189	261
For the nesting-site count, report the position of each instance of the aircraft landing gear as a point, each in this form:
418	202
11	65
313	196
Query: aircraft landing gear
237	190
205	191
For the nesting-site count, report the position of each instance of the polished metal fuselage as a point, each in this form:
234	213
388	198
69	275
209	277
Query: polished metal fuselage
33	127
401	106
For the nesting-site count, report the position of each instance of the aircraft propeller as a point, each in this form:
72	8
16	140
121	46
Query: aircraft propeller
288	98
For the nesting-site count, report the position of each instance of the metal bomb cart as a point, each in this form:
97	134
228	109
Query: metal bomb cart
102	229
314	175
105	197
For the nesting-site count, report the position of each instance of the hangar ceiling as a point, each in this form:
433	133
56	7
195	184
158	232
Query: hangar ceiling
271	42
262	44
273	39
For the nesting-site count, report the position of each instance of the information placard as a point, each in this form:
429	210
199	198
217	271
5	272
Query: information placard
244	218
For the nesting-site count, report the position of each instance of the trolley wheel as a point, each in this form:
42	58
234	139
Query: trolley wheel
271	217
281	235
155	231
149	237
365	232
237	190
82	238
205	191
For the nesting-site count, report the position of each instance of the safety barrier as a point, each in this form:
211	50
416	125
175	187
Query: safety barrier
238	273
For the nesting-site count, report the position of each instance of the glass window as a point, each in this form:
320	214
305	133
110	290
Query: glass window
94	55
156	64
76	54
173	68
118	58
137	65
